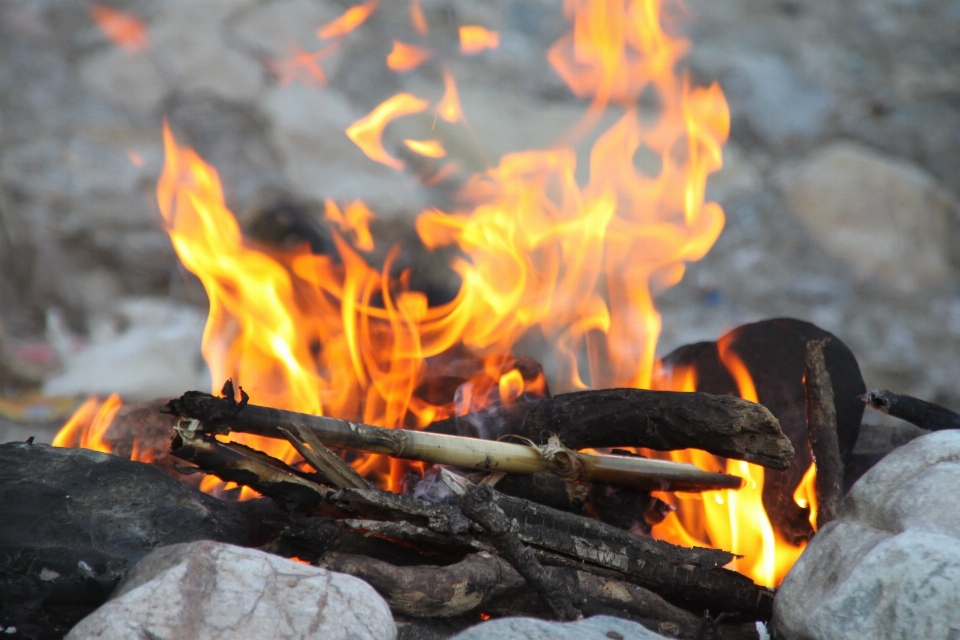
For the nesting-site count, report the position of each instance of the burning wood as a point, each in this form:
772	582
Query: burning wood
568	559
222	415
663	420
822	432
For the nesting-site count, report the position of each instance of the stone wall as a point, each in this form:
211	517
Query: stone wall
840	184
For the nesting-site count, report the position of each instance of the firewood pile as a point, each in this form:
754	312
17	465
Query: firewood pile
504	534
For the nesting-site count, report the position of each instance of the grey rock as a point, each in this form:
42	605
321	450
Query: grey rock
889	566
208	591
72	521
595	628
874	212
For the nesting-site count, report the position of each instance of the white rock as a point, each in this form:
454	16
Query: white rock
595	628
889	566
885	216
191	52
156	355
274	28
129	81
211	591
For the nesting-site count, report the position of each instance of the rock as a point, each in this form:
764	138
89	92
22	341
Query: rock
74	520
595	628
884	216
208	590
889	566
131	82
196	58
156	354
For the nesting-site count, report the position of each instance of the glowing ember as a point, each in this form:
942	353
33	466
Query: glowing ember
122	29
475	39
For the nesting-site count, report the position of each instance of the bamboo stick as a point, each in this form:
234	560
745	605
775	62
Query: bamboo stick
221	415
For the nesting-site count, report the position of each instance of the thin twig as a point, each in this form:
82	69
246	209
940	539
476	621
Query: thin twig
477	503
327	463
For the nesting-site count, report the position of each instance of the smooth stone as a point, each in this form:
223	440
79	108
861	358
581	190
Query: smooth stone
595	628
208	591
885	216
889	566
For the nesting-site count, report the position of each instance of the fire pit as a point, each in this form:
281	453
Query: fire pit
467	412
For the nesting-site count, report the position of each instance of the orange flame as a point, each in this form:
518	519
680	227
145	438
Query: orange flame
474	39
354	222
731	520
806	494
405	57
350	20
449	106
367	133
428	148
301	65
88	424
417	20
122	29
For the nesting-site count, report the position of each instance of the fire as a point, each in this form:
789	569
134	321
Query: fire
88	425
303	66
350	20
731	520
474	39
573	261
428	148
367	133
406	57
122	29
449	106
417	19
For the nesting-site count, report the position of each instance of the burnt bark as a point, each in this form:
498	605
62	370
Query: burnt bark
661	420
478	503
483	582
921	413
822	432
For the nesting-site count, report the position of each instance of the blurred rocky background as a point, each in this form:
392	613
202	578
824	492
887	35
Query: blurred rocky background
841	180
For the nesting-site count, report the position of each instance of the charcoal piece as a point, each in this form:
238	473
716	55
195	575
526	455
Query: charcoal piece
72	521
773	352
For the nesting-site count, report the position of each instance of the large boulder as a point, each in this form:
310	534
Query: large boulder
211	591
874	211
889	566
72	521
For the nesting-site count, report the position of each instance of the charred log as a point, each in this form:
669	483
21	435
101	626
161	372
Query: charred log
662	420
214	415
773	352
921	413
483	582
822	432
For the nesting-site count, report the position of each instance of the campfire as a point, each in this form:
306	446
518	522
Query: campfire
522	430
